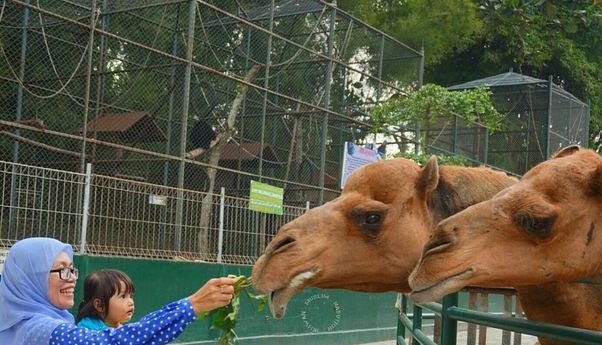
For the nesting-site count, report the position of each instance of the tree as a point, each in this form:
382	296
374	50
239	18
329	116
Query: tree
432	103
537	38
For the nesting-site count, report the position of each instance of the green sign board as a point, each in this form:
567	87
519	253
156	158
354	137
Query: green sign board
265	198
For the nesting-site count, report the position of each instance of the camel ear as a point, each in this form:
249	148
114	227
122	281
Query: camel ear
567	151
428	178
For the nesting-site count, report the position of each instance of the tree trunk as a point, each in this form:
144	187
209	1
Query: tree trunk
216	152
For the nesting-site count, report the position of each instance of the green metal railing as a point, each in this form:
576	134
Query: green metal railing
450	314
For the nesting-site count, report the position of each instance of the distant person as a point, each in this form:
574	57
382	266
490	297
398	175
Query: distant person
108	300
37	288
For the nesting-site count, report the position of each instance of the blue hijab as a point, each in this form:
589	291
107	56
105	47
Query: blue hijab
26	311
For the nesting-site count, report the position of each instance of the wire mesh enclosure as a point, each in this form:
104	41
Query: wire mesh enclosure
539	119
146	82
187	96
130	218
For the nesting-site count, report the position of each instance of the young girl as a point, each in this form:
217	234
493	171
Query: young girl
108	300
37	287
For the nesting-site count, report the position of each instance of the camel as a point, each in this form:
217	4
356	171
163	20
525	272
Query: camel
371	236
542	235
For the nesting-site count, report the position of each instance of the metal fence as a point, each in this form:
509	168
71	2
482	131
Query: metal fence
539	119
137	87
110	216
451	314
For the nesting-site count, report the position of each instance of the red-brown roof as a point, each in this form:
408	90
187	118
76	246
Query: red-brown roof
126	127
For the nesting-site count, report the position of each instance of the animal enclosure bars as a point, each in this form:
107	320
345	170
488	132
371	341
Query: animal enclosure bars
185	98
147	90
110	216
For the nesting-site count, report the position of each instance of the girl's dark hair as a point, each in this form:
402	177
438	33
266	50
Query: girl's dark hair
102	285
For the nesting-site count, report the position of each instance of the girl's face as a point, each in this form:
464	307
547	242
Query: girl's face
121	307
60	291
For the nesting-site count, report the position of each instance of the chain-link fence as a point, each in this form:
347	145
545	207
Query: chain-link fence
111	216
161	77
196	95
539	119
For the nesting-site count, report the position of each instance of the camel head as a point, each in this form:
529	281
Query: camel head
370	237
546	228
354	241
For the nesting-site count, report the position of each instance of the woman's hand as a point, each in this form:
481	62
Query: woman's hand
216	292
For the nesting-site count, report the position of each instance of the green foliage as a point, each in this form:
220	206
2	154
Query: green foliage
419	22
225	318
433	102
538	38
422	158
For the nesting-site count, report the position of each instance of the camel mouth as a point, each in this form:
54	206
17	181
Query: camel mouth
441	288
279	298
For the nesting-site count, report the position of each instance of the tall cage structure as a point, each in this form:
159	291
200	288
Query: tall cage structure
146	82
539	118
172	100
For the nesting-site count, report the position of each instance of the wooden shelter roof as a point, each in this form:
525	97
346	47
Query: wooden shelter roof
134	127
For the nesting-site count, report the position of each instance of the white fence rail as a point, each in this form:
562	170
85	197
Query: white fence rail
111	216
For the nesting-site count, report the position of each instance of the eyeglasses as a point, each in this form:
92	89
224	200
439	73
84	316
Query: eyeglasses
66	273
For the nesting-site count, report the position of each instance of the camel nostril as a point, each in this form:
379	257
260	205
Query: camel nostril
283	244
438	245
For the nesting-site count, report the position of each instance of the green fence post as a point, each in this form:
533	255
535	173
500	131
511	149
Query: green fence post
401	329
449	326
416	322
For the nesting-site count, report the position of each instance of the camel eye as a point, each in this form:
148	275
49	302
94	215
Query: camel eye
371	222
537	225
369	219
372	218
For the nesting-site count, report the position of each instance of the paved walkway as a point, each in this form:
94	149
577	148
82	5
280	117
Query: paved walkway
494	337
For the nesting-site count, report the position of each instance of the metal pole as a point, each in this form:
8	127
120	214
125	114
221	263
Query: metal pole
380	68
18	112
416	321
586	123
307	205
82	162
169	129
266	84
170	105
101	74
327	103
420	81
449	326
528	132
421	68
184	121
19	109
85	209
546	153
220	238
486	147
243	111
454	135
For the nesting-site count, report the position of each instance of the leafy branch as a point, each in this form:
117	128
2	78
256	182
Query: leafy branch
225	318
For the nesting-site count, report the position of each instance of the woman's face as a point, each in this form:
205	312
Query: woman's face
61	292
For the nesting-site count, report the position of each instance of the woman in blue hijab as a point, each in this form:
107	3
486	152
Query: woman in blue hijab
37	288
